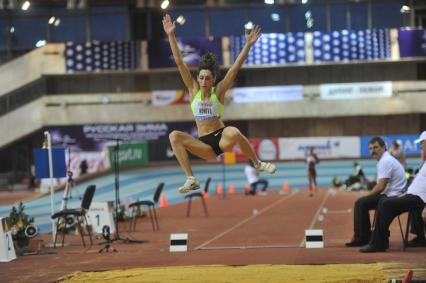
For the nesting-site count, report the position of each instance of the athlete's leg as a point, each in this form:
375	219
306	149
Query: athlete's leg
232	136
182	142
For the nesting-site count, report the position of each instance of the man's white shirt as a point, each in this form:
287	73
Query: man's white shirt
390	168
418	186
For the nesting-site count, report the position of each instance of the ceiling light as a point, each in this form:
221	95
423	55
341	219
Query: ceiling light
405	9
40	43
25	5
181	20
165	4
270	2
57	22
248	25
51	20
304	1
275	17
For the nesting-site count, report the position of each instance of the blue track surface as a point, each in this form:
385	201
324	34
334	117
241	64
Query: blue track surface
141	183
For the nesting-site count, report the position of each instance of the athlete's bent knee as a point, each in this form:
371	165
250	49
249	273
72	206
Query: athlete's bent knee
174	136
231	133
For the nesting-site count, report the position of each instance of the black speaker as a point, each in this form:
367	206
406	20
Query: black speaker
31	231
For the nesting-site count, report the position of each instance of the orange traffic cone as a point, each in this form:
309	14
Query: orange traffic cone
232	189
219	189
286	188
163	202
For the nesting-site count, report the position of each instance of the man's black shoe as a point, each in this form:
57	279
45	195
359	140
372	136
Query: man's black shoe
356	243
371	249
416	242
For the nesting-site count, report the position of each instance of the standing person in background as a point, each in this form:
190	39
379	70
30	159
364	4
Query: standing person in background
397	152
253	179
391	182
390	208
207	103
312	160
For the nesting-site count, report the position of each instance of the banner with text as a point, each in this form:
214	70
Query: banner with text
356	90
267	94
266	149
325	147
130	154
169	97
410	148
97	137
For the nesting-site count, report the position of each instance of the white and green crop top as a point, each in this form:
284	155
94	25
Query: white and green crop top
207	109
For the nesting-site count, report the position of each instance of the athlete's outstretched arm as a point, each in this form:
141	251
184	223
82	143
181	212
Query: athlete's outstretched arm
229	78
169	27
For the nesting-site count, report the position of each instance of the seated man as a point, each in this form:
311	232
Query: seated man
389	208
253	179
391	182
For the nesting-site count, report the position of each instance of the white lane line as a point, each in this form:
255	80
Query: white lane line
245	220
344	211
316	216
249	247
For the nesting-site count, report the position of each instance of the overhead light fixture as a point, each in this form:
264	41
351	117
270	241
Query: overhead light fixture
25	5
275	17
12	29
405	9
181	20
52	20
248	26
165	4
57	22
269	2
40	43
304	1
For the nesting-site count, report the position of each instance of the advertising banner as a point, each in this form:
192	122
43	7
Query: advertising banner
325	147
169	97
266	149
160	54
130	154
97	137
356	90
412	43
267	94
410	148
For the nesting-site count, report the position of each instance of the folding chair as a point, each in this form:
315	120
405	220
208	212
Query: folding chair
200	195
151	209
79	213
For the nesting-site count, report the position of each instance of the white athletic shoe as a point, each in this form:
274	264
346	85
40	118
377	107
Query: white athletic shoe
266	167
191	184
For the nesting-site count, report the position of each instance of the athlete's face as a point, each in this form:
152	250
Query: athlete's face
205	79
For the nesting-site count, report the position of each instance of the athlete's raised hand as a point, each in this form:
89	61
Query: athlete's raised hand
168	24
253	35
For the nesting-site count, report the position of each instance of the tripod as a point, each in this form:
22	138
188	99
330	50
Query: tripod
116	166
69	184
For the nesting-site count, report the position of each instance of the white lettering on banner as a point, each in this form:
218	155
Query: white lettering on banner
326	147
267	94
356	90
130	154
141	132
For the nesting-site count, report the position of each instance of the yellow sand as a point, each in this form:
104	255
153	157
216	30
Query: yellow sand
353	273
